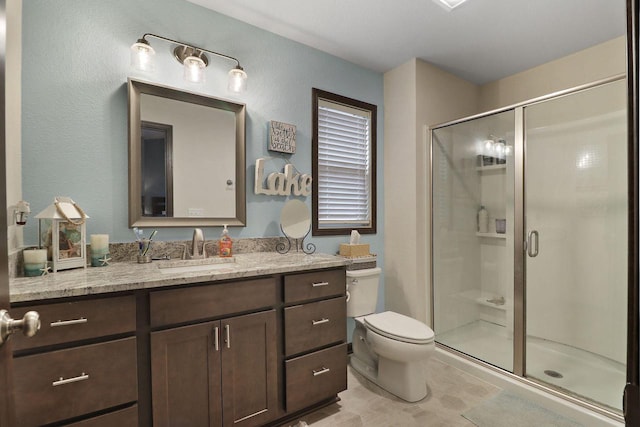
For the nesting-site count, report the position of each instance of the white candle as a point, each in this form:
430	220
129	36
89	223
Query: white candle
100	242
35	256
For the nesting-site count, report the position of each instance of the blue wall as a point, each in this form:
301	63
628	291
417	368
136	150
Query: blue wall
74	112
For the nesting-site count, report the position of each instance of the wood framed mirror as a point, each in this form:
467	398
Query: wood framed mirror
186	158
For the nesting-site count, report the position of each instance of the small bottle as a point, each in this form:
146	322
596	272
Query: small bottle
483	220
225	243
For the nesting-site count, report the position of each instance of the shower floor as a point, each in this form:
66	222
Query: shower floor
583	373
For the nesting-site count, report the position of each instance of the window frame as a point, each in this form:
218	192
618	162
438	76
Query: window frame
317	95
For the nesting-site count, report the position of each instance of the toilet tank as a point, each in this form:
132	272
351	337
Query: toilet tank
362	291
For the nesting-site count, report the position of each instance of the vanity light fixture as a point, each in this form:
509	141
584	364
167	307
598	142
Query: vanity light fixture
450	4
193	58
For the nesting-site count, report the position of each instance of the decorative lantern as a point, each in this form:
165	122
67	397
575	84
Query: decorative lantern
62	232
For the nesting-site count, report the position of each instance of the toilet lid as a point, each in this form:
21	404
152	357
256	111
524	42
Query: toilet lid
399	327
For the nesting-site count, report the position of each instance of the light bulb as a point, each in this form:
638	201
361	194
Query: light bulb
142	55
237	80
489	144
194	69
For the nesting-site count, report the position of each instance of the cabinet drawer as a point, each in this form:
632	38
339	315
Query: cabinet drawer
78	320
315	325
123	418
62	384
315	377
212	300
317	284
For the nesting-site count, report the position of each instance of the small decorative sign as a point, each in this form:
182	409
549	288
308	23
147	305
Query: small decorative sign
282	137
282	183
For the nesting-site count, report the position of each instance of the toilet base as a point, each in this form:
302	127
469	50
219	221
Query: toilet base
404	379
367	371
398	378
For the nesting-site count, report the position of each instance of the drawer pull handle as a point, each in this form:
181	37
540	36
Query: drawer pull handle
320	371
62	381
69	322
319	322
318	284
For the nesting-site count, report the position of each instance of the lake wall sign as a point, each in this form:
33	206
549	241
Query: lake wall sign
282	183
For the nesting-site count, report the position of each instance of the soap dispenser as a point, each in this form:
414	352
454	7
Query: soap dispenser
483	220
226	243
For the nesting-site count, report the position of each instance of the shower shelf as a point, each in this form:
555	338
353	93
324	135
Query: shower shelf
491	167
483	298
492	235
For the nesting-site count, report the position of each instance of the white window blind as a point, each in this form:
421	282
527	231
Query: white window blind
344	165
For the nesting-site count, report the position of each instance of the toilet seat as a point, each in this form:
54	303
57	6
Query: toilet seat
399	327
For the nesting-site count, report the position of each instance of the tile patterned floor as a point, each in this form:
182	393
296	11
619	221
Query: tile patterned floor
451	393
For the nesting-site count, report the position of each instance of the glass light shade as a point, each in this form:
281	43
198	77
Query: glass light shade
142	56
194	69
237	80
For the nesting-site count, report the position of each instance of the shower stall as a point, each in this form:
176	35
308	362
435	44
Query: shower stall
536	284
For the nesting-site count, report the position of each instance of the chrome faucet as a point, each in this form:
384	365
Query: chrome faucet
198	238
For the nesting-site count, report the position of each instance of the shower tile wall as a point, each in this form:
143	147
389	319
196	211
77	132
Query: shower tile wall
455	196
475	270
576	199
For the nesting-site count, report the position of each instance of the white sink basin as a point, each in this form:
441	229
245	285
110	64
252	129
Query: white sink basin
195	265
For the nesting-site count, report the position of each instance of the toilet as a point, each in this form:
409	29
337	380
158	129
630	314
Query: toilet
388	348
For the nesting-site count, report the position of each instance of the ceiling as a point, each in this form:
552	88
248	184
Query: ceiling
480	41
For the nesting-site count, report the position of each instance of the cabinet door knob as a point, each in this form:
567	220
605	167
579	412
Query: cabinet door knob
216	338
227	336
29	325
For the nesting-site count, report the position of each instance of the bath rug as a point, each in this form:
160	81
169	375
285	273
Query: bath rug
509	410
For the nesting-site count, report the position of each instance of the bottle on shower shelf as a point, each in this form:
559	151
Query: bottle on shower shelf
483	220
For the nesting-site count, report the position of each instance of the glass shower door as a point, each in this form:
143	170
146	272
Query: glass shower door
575	193
472	229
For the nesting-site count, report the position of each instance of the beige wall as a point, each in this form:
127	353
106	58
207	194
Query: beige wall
586	66
400	188
418	95
13	120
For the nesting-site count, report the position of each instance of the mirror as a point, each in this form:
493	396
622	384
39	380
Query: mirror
295	219
186	158
295	223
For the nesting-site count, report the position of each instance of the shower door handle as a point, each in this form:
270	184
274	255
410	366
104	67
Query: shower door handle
532	243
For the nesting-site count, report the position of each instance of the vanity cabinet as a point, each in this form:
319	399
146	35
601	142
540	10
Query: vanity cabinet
82	361
221	372
243	352
314	337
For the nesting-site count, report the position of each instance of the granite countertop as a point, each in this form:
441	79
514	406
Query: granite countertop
127	276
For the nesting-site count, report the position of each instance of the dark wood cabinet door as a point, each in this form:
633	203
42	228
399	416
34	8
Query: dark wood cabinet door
185	376
249	369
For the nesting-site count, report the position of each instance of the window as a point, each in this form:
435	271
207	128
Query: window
344	165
